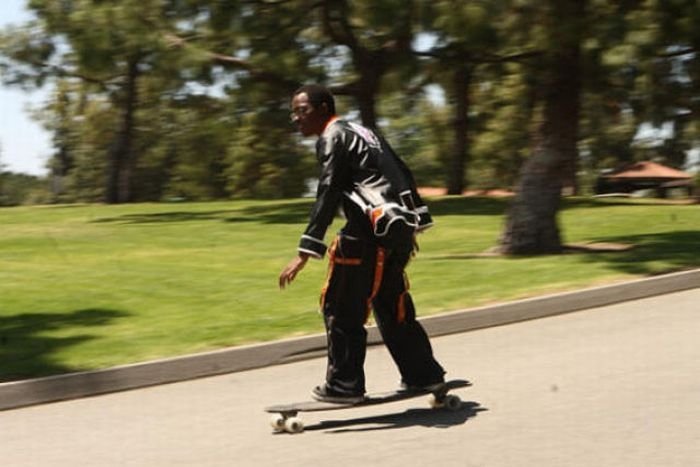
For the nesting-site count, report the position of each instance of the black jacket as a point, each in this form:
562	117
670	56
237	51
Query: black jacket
361	173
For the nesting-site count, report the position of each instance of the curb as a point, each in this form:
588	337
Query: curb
76	385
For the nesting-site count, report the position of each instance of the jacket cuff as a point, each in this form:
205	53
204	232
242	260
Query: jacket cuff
312	246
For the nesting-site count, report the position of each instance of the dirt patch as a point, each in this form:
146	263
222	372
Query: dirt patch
569	248
437	191
597	247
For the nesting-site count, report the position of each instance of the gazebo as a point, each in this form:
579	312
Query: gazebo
643	176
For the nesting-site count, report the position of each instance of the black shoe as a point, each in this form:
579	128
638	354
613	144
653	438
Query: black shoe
431	387
325	394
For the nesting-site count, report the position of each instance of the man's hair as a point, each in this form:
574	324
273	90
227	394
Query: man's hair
318	95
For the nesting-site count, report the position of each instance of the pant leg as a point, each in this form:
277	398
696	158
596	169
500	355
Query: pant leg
344	306
405	338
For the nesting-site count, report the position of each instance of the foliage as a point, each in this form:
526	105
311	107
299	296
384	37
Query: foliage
17	189
264	163
419	132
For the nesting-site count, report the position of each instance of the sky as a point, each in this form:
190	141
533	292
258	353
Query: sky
24	145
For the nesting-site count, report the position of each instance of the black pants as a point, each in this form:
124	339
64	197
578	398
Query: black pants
365	275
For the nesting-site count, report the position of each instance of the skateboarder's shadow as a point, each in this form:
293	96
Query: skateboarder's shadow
429	418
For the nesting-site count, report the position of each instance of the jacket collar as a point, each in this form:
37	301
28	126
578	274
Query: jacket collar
330	121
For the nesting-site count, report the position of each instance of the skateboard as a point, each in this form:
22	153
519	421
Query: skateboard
285	417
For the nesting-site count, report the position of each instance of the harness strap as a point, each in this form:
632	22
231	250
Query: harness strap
378	273
329	274
401	306
348	261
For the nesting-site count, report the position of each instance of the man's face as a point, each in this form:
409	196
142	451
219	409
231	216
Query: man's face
309	120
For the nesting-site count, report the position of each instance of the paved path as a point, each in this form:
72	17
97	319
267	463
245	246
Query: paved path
613	386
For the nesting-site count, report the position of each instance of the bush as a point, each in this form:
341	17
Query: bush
17	189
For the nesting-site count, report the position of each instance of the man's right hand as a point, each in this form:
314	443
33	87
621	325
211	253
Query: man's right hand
289	273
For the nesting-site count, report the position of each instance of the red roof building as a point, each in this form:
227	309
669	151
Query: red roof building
648	171
643	175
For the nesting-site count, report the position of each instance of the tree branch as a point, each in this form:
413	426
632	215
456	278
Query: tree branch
679	53
343	36
449	53
236	62
348	89
61	72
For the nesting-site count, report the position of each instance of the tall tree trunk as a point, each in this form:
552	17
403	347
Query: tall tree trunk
120	162
367	103
456	181
371	66
531	225
62	160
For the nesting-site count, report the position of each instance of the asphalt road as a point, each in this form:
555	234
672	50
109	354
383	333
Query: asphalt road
612	386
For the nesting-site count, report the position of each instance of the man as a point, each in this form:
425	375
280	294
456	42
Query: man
378	196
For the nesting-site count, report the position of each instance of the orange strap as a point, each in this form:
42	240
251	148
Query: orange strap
378	273
348	261
401	306
375	214
331	261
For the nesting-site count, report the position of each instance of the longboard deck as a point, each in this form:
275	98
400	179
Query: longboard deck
371	399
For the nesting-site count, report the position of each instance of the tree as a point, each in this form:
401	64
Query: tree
506	104
667	72
157	99
640	71
18	188
531	225
369	39
110	47
465	36
2	179
262	51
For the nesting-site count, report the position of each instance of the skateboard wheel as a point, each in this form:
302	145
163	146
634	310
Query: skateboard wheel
435	403
452	403
277	422
294	425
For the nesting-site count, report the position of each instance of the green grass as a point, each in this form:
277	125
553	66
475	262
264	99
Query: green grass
92	286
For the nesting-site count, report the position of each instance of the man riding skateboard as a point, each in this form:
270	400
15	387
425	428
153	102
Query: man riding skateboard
383	211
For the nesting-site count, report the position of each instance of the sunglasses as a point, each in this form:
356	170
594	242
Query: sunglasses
300	112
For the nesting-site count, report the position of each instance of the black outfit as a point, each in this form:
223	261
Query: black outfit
361	173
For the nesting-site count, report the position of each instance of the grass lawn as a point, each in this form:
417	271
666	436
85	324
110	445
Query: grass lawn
91	286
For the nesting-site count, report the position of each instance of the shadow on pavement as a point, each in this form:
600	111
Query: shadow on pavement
428	418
